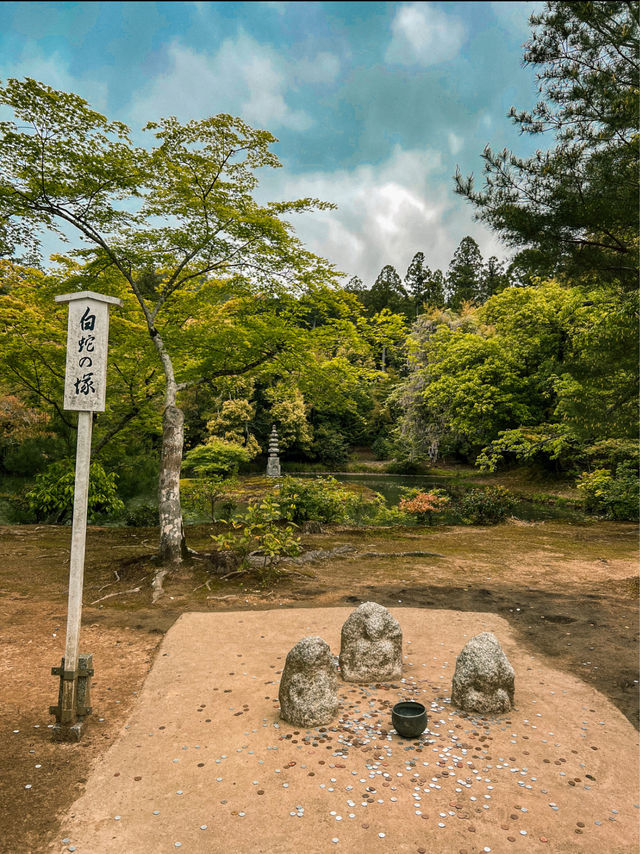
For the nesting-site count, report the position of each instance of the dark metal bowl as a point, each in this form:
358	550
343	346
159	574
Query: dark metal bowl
409	718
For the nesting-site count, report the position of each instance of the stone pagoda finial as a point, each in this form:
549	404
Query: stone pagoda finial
273	463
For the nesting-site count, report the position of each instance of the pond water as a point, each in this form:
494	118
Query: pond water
390	487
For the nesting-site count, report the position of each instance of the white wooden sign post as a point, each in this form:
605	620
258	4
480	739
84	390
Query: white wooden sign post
84	392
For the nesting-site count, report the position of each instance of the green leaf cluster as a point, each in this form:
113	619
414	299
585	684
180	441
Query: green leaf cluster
258	532
571	210
615	495
217	456
51	497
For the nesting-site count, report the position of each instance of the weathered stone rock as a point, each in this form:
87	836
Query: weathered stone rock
371	647
309	685
483	681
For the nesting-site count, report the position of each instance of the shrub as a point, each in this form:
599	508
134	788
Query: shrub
382	448
424	504
142	515
486	506
609	453
202	494
51	497
614	496
322	499
403	466
384	515
217	457
257	533
330	446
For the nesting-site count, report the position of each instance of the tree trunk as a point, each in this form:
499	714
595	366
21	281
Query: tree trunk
173	548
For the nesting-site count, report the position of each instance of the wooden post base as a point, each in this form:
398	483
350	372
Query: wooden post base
68	733
74	699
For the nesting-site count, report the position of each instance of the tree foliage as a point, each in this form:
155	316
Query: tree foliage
464	277
572	210
50	499
178	223
423	286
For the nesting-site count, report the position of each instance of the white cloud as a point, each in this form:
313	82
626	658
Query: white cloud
243	78
386	213
455	142
424	35
323	68
53	70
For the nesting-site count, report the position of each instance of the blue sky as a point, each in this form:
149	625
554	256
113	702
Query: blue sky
374	104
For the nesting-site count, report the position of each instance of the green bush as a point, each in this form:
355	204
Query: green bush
384	515
137	472
403	466
30	456
609	453
322	499
329	446
142	515
382	448
614	496
51	497
217	457
203	493
257	532
486	506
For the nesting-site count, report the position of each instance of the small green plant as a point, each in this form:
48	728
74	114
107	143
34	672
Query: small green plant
203	493
486	506
258	533
50	499
384	515
613	496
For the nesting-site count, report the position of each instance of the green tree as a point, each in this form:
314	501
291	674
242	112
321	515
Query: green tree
486	370
217	457
387	292
386	333
572	210
32	359
167	220
423	286
494	278
464	277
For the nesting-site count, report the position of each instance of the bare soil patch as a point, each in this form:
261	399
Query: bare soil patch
569	592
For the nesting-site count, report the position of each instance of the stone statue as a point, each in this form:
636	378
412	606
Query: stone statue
371	648
483	681
309	685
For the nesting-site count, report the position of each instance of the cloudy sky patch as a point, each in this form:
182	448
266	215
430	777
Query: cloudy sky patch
374	104
424	35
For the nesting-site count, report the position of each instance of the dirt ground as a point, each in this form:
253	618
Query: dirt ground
569	593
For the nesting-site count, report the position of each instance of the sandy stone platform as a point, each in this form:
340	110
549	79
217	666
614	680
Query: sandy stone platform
205	765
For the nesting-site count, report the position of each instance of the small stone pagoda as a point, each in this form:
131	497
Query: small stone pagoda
273	463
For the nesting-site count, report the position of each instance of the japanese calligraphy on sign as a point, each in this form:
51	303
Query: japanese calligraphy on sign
87	341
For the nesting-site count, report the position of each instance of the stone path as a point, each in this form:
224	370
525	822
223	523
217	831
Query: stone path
205	764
